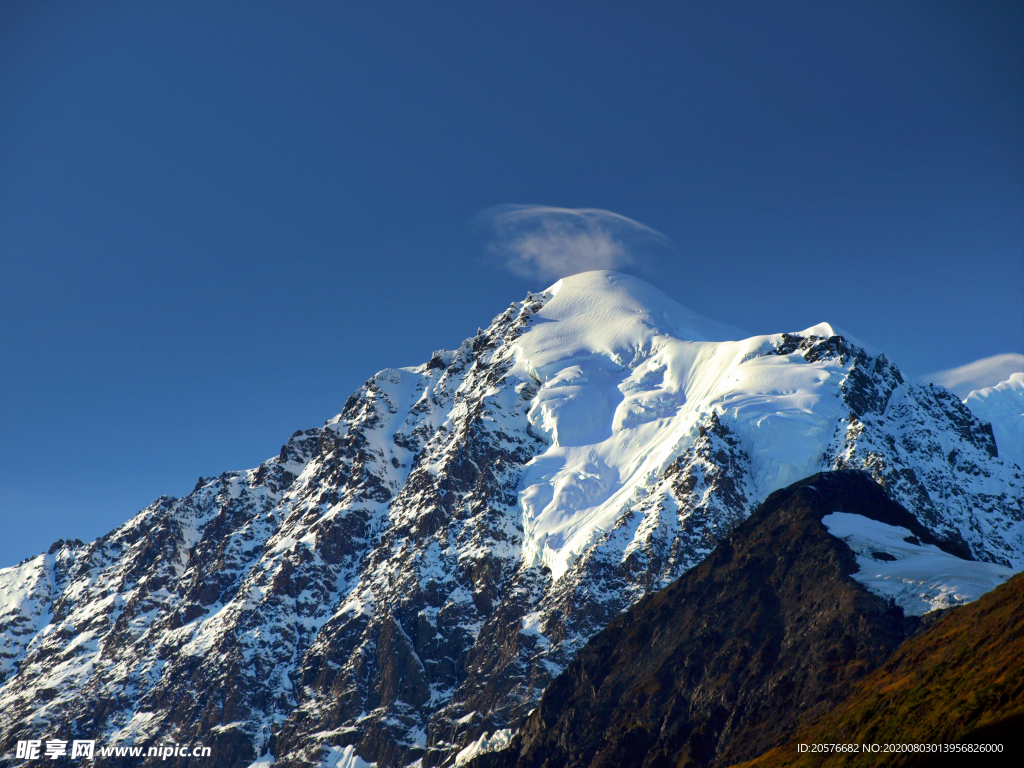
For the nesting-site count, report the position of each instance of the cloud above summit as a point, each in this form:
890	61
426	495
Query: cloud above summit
541	241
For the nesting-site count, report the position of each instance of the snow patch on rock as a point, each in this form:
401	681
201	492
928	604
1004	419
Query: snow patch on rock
919	577
500	740
344	757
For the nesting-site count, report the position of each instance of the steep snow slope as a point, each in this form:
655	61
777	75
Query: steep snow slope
412	575
1003	407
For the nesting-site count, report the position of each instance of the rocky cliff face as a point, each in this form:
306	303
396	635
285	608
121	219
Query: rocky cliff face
414	574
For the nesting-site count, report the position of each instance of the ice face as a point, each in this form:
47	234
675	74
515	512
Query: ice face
625	377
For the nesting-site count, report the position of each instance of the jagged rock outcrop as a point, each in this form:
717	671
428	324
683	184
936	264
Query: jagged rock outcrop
414	574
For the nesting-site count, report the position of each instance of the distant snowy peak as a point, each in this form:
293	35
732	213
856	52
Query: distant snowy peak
987	372
1003	407
1011	386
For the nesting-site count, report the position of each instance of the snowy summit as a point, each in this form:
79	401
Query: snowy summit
626	376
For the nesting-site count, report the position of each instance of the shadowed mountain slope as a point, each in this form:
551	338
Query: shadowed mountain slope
960	681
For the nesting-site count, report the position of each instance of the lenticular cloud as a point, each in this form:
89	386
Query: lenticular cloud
540	241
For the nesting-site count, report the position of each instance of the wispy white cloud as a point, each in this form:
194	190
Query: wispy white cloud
541	241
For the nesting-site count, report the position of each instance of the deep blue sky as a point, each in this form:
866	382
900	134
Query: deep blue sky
218	219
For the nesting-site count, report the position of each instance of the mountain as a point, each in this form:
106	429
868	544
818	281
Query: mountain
960	681
1003	407
411	576
771	628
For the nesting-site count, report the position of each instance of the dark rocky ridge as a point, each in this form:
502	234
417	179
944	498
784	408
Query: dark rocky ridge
769	630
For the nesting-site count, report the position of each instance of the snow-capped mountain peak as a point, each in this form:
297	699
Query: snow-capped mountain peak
1003	407
980	374
411	576
613	314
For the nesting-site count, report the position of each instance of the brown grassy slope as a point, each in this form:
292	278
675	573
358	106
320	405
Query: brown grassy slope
962	679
